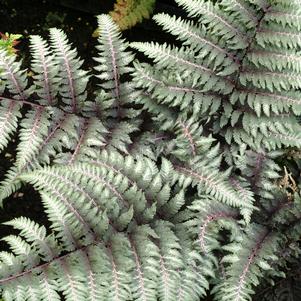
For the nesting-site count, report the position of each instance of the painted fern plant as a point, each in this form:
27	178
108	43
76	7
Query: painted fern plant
162	183
238	66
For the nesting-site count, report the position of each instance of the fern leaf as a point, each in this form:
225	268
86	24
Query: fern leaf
113	59
207	182
221	24
18	245
9	115
33	233
249	266
13	77
242	10
167	56
205	212
34	130
74	80
196	38
46	69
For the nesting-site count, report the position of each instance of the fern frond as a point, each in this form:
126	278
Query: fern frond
74	81
176	94
113	60
195	36
9	115
220	23
89	136
261	171
127	13
76	238
207	181
272	81
13	77
36	235
252	51
248	264
206	212
266	102
242	11
189	141
17	245
34	130
46	69
51	134
166	57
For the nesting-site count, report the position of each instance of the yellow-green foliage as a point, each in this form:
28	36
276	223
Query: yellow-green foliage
9	41
127	13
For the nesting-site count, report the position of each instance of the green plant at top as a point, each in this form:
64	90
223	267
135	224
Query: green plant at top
9	41
161	183
127	13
